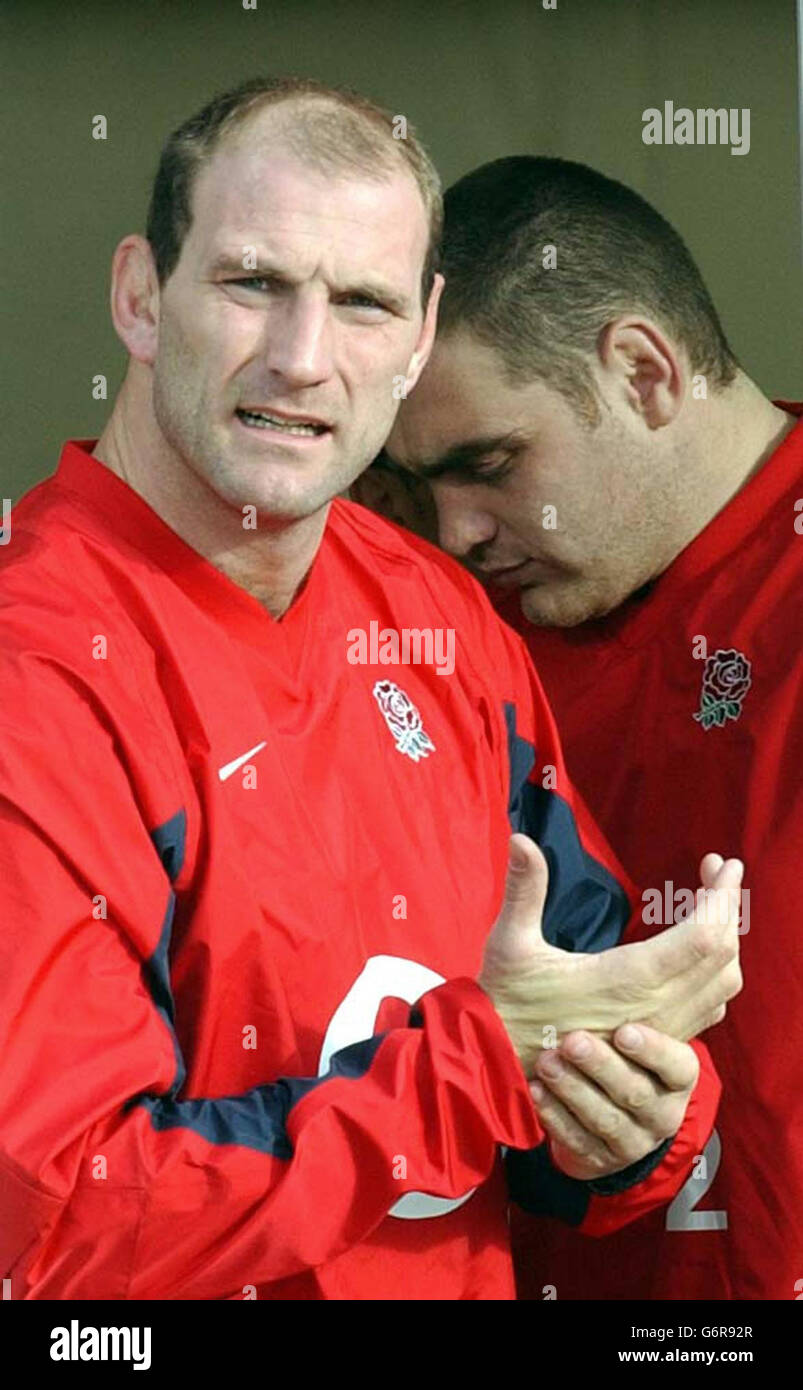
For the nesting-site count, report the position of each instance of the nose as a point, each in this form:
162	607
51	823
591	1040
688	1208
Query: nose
300	349
462	523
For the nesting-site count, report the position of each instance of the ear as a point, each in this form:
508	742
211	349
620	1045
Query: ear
134	298
426	338
646	366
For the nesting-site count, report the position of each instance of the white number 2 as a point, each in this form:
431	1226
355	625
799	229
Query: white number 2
681	1215
354	1020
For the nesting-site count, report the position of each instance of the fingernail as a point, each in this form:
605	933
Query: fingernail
536	1091
516	857
578	1047
550	1065
629	1037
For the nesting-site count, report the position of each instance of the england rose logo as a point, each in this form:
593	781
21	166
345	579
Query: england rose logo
726	681
403	720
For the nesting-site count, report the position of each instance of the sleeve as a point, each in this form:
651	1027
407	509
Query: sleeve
111	1185
591	905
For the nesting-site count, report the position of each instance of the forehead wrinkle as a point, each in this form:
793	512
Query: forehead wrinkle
260	166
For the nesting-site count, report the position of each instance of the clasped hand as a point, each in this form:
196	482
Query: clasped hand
618	1079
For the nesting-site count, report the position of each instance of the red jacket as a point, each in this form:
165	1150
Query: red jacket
233	859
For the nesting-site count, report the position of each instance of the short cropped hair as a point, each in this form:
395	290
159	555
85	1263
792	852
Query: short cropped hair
542	309
331	128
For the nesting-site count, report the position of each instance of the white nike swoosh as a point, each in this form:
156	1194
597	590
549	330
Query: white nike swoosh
229	768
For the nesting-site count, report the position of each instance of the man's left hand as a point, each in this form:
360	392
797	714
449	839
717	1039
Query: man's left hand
605	1105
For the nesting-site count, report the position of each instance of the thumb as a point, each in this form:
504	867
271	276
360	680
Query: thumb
519	921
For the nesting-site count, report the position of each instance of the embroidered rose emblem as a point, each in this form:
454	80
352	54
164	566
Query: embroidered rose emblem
403	720
726	681
398	705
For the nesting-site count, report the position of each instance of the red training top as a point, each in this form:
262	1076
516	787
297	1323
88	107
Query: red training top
682	718
233	857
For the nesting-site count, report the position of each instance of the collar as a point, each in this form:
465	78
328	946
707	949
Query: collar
126	516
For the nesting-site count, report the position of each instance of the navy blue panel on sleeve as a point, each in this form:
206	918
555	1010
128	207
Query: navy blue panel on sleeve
541	1189
257	1119
169	840
586	908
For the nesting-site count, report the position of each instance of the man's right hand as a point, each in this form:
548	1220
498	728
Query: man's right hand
678	982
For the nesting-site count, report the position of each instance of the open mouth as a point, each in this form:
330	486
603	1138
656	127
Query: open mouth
301	427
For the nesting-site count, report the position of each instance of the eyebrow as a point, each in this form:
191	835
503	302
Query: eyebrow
230	263
461	460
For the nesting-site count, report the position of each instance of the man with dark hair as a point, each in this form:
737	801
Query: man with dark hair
254	1041
585	441
540	252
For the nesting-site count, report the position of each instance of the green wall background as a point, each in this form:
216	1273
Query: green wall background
479	78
